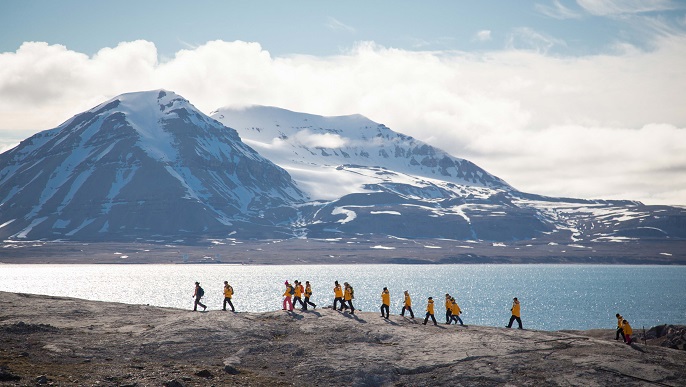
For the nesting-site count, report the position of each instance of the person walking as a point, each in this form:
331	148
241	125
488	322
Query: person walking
338	296
627	332
515	313
198	294
448	305
228	293
430	311
407	305
385	303
455	312
620	328
297	296
348	295
287	302
308	294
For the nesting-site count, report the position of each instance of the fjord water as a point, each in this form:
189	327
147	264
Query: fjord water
553	297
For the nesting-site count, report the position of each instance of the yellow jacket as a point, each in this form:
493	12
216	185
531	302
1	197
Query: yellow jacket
346	295
228	291
515	309
386	298
455	309
298	291
408	300
287	293
448	304
308	291
619	321
627	328
430	307
337	291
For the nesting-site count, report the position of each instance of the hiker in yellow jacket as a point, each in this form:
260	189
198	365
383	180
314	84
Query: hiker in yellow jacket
455	312
620	328
430	311
407	305
515	313
448	312
287	302
297	295
228	293
348	295
338	296
308	294
385	303
627	332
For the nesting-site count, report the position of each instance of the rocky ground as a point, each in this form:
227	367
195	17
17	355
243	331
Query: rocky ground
61	341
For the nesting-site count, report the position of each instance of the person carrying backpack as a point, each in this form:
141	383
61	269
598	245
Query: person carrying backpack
308	294
228	293
338	296
297	295
198	294
348	296
290	291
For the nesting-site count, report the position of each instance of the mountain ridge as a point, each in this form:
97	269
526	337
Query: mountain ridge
148	166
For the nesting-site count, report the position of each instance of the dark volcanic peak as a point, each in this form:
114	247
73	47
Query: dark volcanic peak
142	164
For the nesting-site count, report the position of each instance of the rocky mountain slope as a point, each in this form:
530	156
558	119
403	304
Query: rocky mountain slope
141	165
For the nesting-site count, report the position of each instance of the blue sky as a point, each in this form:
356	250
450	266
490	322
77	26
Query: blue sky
326	28
577	98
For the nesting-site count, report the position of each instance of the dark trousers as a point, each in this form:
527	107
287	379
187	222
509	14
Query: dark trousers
339	300
350	305
620	331
448	314
408	308
426	319
307	302
227	300
197	302
512	319
456	318
298	299
385	307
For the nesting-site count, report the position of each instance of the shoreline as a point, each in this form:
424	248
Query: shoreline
68	341
348	251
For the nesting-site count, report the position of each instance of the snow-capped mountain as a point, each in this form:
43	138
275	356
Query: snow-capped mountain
334	156
137	166
150	166
378	182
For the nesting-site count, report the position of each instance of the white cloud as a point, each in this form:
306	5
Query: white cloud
483	36
618	7
320	140
525	38
337	25
557	11
603	126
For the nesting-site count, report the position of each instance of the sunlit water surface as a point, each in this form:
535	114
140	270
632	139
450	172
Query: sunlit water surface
553	296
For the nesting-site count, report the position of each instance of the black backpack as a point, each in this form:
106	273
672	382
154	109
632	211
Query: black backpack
291	290
201	292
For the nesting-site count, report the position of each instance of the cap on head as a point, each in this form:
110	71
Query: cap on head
197	283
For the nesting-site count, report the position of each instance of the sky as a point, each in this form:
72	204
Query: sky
582	99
